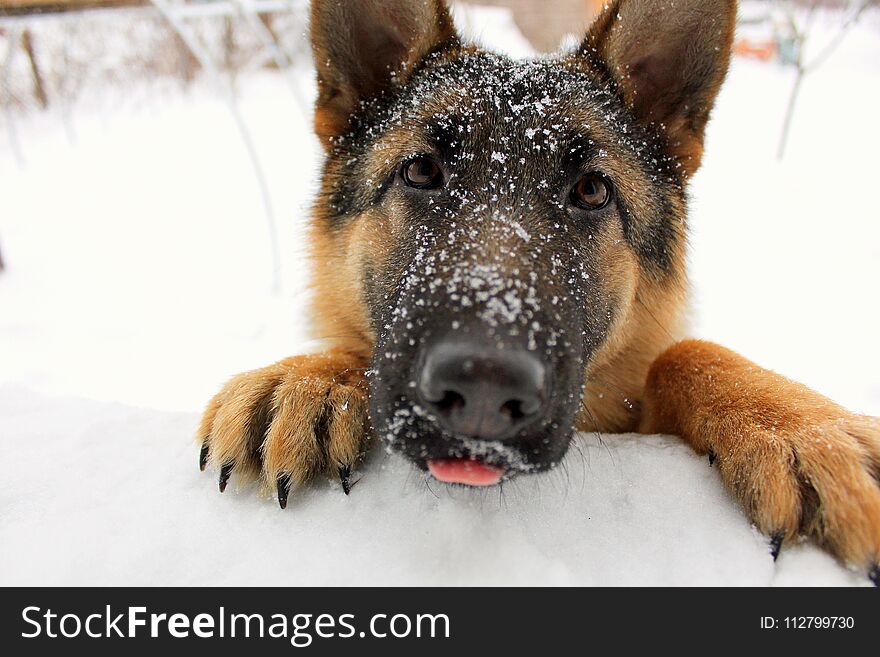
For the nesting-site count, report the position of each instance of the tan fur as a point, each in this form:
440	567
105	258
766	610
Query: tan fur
615	378
339	313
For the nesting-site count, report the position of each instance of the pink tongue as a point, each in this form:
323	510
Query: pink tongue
464	471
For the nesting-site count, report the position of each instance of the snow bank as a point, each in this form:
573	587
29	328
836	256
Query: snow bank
108	494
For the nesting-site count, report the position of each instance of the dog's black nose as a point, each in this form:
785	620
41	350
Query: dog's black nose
482	391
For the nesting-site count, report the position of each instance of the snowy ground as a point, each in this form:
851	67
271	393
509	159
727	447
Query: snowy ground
139	279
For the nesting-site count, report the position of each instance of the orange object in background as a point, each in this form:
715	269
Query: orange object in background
595	6
762	50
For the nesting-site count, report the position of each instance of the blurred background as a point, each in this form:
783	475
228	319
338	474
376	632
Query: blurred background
157	167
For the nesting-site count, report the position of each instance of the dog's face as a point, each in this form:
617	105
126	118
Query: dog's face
501	217
504	195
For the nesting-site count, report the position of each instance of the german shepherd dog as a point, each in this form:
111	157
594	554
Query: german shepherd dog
499	261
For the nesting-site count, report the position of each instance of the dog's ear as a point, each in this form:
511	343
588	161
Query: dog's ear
669	60
363	47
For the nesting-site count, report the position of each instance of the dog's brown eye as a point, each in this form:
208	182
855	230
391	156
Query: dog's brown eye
423	172
591	192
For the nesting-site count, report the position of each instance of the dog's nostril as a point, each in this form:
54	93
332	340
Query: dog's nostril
513	409
450	402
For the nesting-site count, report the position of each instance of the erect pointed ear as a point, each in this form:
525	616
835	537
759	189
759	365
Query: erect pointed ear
364	47
669	59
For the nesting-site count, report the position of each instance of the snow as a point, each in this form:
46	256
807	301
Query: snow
139	278
101	493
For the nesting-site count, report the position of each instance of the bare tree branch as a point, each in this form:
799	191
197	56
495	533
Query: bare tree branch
802	68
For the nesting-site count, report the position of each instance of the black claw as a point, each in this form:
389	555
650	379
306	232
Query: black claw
874	575
345	476
776	544
203	457
283	485
712	458
225	471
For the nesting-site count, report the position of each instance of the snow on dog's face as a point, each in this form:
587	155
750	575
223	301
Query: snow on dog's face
501	221
504	189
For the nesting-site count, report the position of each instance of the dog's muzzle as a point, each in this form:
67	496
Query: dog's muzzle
480	392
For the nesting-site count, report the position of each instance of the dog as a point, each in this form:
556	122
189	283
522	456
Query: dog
499	261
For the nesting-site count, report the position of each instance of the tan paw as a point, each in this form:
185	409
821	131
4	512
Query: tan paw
815	474
288	422
800	464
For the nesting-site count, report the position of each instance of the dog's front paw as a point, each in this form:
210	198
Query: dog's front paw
814	472
800	464
288	422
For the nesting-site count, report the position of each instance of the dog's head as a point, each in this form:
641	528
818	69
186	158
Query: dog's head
497	223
